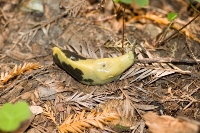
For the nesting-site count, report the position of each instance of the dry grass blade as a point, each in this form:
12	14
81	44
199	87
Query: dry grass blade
129	110
154	70
74	10
83	120
143	72
85	50
85	100
18	70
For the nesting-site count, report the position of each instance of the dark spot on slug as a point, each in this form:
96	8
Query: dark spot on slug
73	56
90	81
75	73
57	61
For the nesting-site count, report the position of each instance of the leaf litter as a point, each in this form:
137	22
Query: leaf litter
169	89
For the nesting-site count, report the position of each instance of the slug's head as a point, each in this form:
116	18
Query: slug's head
68	54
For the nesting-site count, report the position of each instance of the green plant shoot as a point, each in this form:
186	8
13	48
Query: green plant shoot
11	115
171	16
141	3
124	1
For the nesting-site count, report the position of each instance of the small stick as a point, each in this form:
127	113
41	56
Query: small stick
36	73
167	60
176	32
123	29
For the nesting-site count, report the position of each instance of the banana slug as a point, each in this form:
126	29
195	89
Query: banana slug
92	71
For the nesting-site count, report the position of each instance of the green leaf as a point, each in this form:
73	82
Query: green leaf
139	2
116	0
124	1
171	16
142	3
21	111
12	115
197	0
6	119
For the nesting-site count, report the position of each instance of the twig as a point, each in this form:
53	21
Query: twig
128	98
123	30
192	54
3	14
38	127
176	32
98	7
54	19
193	7
106	18
27	77
167	60
38	56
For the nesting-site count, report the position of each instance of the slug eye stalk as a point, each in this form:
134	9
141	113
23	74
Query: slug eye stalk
92	71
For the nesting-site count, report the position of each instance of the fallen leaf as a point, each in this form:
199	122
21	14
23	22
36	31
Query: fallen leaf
36	110
168	124
46	93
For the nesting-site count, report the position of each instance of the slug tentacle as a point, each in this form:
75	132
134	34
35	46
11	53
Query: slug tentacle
92	71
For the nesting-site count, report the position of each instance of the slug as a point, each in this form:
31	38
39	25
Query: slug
92	71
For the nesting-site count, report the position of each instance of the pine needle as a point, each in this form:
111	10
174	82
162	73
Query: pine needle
83	120
18	70
77	124
50	115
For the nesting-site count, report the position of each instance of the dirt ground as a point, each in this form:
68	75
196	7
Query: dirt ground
148	97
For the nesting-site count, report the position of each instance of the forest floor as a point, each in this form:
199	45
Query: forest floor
148	97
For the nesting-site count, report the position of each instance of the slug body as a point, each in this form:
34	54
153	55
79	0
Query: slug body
92	71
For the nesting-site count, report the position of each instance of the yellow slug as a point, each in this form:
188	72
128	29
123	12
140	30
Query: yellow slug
92	71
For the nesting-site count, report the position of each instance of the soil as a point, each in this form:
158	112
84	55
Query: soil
94	29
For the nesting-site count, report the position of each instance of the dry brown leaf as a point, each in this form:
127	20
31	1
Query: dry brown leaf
85	100
17	70
168	124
